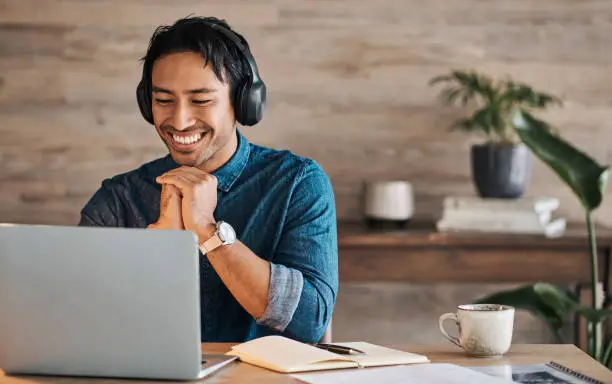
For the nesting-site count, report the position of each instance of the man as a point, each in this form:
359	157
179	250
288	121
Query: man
280	276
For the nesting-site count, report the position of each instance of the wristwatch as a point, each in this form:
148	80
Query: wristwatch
224	235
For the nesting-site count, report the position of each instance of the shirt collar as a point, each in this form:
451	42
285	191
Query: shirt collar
230	171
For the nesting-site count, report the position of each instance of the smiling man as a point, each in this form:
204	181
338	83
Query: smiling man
265	219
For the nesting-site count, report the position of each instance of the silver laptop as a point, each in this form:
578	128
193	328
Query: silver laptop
101	302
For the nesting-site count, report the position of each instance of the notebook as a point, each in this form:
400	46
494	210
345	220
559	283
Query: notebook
281	354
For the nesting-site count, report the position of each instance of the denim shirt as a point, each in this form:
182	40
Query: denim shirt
281	206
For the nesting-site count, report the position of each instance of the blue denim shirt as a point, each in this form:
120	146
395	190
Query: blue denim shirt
281	206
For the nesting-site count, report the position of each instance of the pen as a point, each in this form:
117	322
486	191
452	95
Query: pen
339	349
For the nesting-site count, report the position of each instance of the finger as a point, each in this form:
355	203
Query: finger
175	173
191	171
184	185
169	195
191	177
195	178
174	200
168	191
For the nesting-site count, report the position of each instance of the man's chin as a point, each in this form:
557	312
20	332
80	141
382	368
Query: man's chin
186	159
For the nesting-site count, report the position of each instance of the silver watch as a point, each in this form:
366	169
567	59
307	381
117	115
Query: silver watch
224	235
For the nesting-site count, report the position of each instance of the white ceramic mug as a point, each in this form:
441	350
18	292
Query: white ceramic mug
485	330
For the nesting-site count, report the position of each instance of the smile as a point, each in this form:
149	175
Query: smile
186	140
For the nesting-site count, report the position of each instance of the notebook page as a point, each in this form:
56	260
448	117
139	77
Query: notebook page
379	355
438	373
283	354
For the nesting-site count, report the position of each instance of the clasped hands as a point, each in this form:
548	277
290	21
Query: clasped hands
188	201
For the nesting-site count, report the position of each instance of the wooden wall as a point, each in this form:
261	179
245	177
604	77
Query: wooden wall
347	84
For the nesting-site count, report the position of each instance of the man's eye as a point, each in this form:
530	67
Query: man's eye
201	102
163	101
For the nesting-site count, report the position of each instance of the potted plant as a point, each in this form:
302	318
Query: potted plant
587	179
501	165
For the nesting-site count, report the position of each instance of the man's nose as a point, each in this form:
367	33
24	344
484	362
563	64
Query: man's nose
183	117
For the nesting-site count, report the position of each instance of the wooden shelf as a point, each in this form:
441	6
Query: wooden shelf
355	234
421	254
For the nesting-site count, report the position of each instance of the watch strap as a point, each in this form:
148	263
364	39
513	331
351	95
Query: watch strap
211	244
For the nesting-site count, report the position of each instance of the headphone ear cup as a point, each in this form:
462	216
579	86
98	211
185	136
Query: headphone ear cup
251	103
239	107
257	102
143	97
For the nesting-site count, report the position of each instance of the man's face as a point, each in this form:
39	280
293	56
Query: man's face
191	108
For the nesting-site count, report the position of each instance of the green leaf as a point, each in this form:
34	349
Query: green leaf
594	315
466	125
439	79
527	96
497	121
544	100
581	173
449	95
546	301
606	358
465	78
483	118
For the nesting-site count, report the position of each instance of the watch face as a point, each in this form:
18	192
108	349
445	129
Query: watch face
226	233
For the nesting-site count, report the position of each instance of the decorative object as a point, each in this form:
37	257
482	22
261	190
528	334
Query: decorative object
533	215
501	166
388	203
588	180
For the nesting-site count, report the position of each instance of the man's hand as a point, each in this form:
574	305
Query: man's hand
199	198
170	216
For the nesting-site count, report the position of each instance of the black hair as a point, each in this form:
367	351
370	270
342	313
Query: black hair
194	34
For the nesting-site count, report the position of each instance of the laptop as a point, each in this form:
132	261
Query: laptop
101	302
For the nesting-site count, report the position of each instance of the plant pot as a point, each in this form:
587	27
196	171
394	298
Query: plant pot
501	170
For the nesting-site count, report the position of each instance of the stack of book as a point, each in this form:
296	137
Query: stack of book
529	215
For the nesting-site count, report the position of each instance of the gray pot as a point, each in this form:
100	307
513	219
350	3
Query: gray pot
500	170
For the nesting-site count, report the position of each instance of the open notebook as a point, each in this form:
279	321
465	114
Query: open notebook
285	355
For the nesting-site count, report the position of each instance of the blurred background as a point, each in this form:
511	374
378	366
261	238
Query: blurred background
347	86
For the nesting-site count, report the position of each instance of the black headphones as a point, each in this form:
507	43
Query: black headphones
250	96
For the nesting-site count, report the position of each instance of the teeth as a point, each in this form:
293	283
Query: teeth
187	139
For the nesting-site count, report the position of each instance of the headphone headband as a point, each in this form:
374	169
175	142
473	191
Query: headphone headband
244	50
249	97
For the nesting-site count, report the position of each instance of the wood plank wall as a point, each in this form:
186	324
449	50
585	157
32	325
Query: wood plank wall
347	86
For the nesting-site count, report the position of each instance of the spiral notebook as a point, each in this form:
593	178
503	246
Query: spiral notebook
549	373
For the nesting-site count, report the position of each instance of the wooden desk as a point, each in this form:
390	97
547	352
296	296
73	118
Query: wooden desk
239	372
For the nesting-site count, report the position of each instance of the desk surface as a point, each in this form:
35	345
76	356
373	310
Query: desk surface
239	372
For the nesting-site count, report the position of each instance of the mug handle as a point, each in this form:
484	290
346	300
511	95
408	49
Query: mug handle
444	317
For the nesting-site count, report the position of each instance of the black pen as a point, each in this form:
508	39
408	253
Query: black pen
339	349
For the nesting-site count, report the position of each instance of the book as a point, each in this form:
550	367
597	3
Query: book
284	355
554	228
536	204
414	374
530	219
550	373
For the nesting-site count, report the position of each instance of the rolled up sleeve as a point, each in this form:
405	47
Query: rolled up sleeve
304	267
284	295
